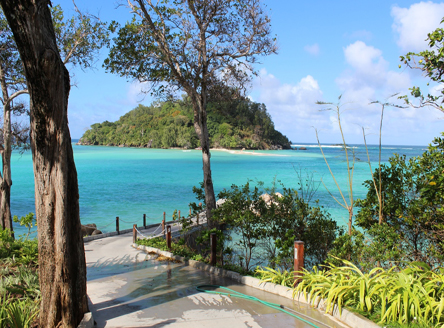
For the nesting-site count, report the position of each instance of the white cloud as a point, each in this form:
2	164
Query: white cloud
368	77
312	49
414	23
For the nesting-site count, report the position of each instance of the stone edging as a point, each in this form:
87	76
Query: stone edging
87	321
351	319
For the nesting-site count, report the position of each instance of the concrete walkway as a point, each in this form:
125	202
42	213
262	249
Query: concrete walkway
128	290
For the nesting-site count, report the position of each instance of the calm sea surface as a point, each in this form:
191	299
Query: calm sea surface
128	182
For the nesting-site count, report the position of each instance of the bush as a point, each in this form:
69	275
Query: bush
414	293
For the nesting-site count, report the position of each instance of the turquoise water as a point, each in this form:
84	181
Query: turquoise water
128	182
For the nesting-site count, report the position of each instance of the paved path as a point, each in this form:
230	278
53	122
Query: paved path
127	290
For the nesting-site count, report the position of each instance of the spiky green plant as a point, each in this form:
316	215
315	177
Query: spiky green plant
412	294
284	278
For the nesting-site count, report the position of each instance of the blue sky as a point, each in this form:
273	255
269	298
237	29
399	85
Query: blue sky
326	48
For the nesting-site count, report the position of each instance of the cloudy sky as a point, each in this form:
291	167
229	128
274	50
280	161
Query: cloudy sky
326	49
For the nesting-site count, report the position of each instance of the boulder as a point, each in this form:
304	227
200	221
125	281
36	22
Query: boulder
88	229
96	232
302	148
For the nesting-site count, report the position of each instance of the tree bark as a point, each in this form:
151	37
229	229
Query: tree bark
200	126
5	180
62	268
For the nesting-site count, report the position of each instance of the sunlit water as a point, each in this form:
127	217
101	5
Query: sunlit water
128	182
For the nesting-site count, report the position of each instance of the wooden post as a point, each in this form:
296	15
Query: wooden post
213	248
179	214
190	211
144	221
134	233
117	225
163	225
298	258
169	236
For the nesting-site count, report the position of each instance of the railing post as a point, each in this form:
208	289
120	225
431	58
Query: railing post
190	211
298	258
117	225
179	214
144	221
134	233
213	243
163	225
169	236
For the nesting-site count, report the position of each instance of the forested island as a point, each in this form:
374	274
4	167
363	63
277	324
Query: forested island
235	124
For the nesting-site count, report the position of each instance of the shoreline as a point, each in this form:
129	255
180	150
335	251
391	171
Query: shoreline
250	152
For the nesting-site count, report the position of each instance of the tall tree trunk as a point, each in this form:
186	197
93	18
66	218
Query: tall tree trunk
5	180
5	187
62	267
200	126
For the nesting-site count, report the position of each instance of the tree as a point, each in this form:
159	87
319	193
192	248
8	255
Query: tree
13	84
431	63
78	39
62	268
412	190
188	46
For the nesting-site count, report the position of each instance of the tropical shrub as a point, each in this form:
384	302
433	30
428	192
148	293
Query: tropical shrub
414	293
276	276
412	214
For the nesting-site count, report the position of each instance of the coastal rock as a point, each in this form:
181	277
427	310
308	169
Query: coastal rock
96	232
121	146
88	229
275	147
149	143
302	148
268	198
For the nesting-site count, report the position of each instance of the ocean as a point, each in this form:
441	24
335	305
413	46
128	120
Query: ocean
130	182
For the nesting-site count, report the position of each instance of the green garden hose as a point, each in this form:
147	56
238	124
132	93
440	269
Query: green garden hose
233	293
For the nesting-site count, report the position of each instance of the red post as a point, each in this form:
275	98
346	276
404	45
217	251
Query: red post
213	248
134	233
298	257
169	236
117	225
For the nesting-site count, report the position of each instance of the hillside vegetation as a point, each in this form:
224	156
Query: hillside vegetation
237	124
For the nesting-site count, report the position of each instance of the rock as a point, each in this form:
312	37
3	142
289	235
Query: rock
96	232
149	144
88	229
121	145
266	198
302	148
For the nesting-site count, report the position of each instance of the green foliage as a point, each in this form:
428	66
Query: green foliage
413	218
28	221
22	251
430	62
18	313
160	243
267	230
284	278
80	37
231	124
414	293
